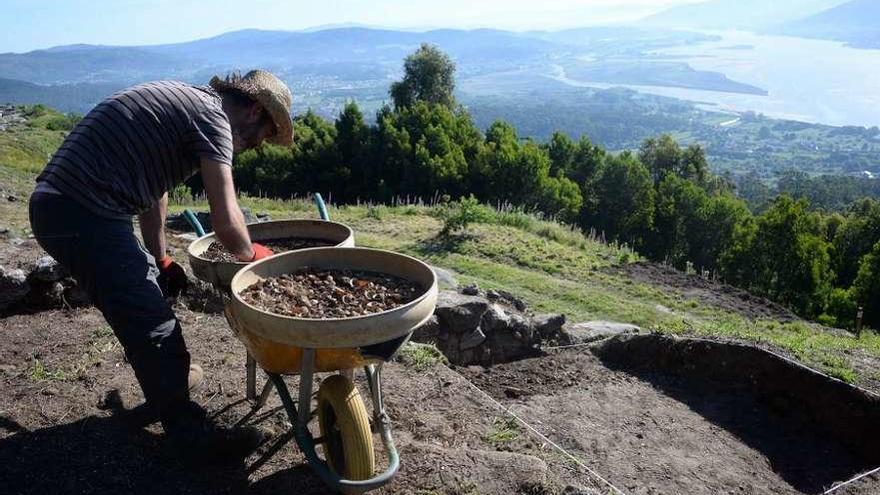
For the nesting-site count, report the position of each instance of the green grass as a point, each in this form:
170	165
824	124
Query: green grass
28	147
421	356
570	274
503	430
39	373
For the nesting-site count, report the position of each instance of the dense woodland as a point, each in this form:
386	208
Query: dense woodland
814	248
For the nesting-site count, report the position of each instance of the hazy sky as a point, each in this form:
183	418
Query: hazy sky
34	24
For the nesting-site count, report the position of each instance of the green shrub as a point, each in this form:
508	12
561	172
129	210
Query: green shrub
459	215
181	194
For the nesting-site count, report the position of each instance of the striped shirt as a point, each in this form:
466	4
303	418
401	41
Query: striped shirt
137	144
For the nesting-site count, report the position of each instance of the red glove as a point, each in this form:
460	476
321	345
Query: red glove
172	278
260	252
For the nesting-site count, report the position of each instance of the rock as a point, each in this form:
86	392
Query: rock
460	313
469	329
495	318
445	278
50	391
506	298
548	324
77	297
591	331
47	270
429	332
13	287
472	339
470	290
7	368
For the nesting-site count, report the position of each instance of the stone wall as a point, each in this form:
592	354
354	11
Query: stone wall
475	327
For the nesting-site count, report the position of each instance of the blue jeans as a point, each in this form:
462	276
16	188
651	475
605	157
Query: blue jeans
119	275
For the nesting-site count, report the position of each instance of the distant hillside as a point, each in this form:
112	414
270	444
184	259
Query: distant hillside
282	51
856	22
738	14
79	97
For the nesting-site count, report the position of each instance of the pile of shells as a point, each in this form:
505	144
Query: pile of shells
216	251
320	293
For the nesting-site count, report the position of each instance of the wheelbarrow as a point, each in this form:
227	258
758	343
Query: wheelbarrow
220	273
284	345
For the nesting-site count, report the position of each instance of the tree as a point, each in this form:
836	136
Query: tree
353	146
428	75
424	149
855	238
866	288
783	256
624	196
663	156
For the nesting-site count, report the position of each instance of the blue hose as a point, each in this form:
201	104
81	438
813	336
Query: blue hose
194	222
322	208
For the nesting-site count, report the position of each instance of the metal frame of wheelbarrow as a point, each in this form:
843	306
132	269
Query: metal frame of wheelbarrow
301	417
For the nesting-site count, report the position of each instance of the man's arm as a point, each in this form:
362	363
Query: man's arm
153	228
226	217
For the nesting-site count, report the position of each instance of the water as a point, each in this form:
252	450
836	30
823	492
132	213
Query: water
808	80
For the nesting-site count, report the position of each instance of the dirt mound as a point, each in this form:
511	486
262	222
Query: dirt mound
706	291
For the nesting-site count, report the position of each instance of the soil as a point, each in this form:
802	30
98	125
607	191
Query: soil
71	425
82	431
315	293
704	290
217	252
655	432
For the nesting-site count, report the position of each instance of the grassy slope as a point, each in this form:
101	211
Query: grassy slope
557	270
553	268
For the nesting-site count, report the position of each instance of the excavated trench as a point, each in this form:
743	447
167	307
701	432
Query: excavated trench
658	414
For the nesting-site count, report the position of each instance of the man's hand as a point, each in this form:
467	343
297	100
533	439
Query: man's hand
172	277
260	252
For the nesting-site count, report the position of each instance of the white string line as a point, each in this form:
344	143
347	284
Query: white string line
857	478
539	434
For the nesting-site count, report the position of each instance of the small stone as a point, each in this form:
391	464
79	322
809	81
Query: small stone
13	287
470	290
50	391
7	368
46	269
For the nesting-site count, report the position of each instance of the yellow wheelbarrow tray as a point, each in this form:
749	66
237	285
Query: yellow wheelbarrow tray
287	345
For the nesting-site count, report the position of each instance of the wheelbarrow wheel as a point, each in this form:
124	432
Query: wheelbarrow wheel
345	429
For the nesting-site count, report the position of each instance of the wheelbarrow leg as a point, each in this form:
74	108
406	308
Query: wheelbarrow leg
251	384
264	395
306	374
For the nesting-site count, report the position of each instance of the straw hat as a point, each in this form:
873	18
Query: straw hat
270	91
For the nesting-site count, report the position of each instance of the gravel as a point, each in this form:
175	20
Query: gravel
319	293
216	251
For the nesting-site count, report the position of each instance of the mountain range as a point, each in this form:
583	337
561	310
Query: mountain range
752	15
856	22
